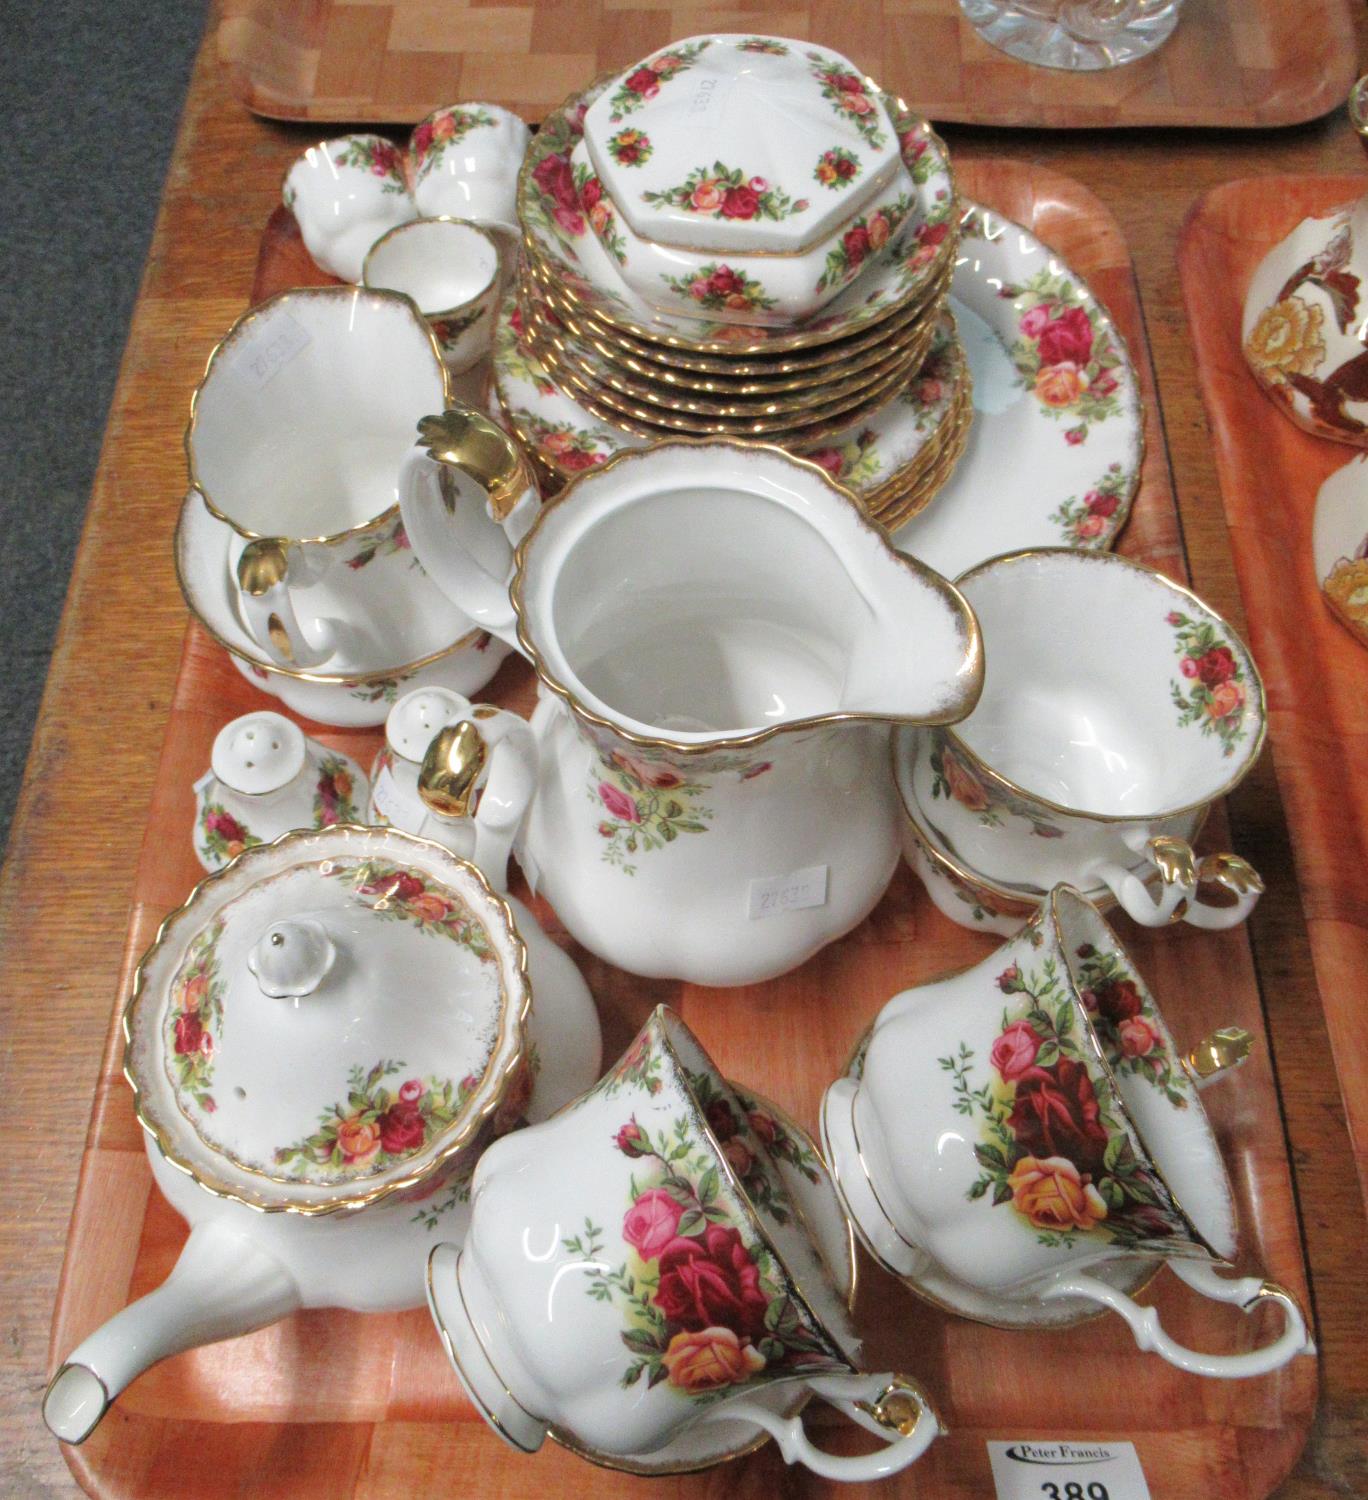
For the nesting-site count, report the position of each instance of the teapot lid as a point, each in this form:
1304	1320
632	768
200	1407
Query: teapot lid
329	1019
741	144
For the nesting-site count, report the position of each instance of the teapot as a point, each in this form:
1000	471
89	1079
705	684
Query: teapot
316	1141
723	641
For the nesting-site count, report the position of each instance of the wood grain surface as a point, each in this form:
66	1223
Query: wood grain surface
1270	473
66	887
788	1038
1229	63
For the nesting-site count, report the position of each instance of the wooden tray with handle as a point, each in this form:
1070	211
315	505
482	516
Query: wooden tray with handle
342	1406
1229	63
1315	671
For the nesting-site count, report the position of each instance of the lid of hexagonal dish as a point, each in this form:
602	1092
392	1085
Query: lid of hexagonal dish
744	144
330	1018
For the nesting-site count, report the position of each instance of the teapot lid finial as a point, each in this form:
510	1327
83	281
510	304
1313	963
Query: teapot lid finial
292	958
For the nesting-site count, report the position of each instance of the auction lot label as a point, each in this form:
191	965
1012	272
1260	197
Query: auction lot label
1050	1470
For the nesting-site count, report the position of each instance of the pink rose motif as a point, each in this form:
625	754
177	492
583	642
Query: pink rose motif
570	221
707	197
1090	526
1173	617
1067	339
1033	322
412	1091
759	184
1075	435
618	803
1015	1051
651	1222
1138	1037
1188	666
660	776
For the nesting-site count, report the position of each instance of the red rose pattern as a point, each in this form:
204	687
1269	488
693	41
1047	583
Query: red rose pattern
1066	339
711	1282
1055	1113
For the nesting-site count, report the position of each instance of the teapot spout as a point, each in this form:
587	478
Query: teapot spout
224	1284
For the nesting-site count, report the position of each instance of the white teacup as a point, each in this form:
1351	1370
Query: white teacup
451	270
635	1268
1025	1134
1116	708
297	433
464	160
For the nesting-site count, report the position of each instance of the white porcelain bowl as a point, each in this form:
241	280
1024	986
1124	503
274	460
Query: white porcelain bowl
345	193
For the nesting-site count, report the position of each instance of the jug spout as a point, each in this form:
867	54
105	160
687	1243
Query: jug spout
916	656
224	1284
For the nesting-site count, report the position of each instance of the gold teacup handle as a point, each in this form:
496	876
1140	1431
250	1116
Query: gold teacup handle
263	576
1180	875
467	499
893	1407
1217	1054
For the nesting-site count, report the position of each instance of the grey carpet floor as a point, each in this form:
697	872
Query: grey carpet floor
92	95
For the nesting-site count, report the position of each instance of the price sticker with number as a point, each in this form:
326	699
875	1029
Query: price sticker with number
1049	1470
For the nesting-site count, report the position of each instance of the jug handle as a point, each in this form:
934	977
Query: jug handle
268	612
1180	874
514	762
1246	1292
224	1284
892	1407
467	499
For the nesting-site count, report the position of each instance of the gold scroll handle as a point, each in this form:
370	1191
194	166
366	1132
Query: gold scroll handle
470	441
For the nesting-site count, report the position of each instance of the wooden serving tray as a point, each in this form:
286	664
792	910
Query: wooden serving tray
342	1406
1315	672
1230	62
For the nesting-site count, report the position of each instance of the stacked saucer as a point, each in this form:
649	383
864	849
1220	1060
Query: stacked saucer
740	237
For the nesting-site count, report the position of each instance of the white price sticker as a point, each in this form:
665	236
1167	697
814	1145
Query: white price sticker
385	796
266	354
776	893
1049	1470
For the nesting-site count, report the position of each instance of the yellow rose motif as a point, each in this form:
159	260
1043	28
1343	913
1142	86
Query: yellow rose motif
709	1358
1287	340
1051	1193
1346	587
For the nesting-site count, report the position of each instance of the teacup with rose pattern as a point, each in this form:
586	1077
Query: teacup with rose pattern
1022	1141
1116	707
636	1268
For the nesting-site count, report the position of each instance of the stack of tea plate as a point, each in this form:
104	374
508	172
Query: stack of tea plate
740	237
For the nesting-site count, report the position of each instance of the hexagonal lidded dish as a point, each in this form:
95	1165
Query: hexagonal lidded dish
760	154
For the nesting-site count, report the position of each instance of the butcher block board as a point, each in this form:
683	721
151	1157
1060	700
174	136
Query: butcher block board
1229	62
